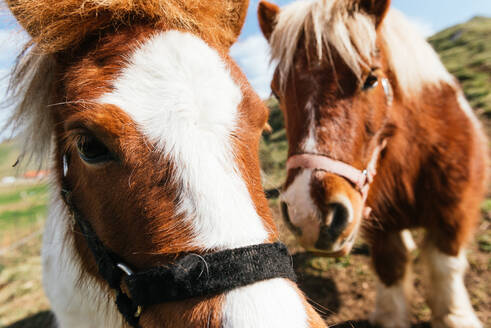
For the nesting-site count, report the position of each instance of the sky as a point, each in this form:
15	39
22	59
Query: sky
252	52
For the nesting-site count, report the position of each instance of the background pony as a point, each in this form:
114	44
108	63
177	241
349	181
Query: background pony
377	128
155	129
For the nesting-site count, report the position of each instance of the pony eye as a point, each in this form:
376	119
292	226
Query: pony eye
371	82
92	151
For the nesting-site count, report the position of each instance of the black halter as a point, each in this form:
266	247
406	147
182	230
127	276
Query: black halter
190	276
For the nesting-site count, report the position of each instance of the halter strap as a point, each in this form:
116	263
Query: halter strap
361	179
190	276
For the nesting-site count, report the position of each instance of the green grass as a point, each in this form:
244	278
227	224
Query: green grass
22	217
274	147
22	193
486	205
22	211
465	49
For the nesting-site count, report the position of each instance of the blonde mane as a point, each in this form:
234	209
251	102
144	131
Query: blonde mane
55	26
339	24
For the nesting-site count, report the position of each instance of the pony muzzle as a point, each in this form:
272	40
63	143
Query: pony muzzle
323	211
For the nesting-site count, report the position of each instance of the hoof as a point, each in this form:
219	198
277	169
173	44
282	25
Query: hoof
463	320
389	320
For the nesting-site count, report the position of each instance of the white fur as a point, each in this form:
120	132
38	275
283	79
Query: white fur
303	212
266	304
309	144
407	239
448	298
466	107
182	97
181	94
413	60
391	304
74	306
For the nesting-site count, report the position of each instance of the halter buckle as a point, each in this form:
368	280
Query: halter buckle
367	177
123	267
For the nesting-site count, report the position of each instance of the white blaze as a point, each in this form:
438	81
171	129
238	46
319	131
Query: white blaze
181	94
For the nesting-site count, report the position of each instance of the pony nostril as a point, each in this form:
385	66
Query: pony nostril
337	219
286	217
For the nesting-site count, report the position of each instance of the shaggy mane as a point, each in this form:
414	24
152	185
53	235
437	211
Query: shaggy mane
339	24
58	24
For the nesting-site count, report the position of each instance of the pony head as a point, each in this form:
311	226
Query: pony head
155	129
332	81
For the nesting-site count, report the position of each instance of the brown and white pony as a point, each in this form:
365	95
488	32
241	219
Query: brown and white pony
363	93
162	131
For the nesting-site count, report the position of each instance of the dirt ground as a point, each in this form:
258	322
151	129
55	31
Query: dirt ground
342	290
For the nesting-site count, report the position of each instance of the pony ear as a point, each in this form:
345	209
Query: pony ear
266	14
236	15
376	8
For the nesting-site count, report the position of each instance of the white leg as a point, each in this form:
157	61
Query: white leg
391	304
448	298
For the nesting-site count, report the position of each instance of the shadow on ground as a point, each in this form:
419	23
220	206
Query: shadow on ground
44	319
365	324
321	291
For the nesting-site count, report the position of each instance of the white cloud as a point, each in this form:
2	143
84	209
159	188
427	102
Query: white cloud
424	27
252	55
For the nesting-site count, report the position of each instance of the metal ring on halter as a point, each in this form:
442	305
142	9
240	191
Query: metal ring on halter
123	267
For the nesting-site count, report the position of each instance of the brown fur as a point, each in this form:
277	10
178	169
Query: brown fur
57	25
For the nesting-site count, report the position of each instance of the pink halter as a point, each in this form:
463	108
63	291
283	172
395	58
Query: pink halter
360	179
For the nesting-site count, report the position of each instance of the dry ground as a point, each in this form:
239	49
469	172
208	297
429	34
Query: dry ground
341	289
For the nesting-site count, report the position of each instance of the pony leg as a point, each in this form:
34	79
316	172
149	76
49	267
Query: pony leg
390	254
448	298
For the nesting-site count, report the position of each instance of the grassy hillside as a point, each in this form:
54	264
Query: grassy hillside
465	49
